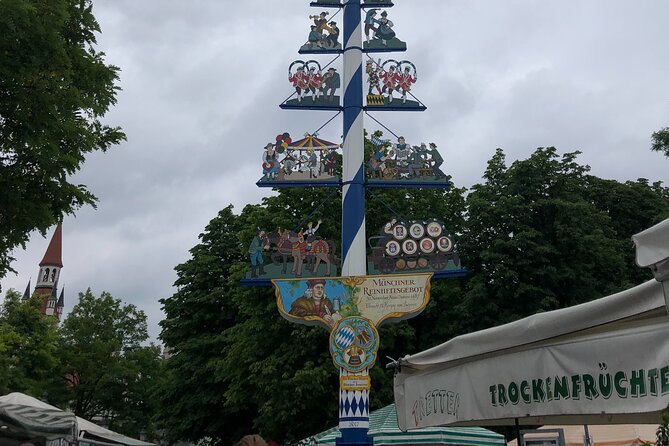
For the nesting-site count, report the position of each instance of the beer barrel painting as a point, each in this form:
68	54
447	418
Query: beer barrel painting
403	247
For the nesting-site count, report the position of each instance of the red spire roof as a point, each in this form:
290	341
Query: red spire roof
54	253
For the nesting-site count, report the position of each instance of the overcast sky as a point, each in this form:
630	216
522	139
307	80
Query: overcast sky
202	81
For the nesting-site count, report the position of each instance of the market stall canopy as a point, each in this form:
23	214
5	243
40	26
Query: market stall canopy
652	247
602	435
22	416
45	416
93	431
384	430
652	251
601	362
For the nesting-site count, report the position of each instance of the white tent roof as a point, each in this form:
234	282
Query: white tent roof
21	416
640	302
85	427
459	382
652	245
604	435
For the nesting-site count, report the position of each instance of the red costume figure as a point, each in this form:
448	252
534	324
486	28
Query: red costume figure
315	83
300	81
405	81
390	80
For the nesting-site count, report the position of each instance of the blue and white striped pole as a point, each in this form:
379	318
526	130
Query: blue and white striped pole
353	404
353	192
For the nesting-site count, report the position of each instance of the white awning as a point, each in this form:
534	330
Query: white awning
547	368
18	418
47	417
652	245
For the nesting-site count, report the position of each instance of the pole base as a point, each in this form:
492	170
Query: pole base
354	437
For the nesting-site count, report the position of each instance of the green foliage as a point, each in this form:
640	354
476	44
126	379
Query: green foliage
662	433
195	317
54	90
538	235
96	364
661	141
536	241
105	369
28	354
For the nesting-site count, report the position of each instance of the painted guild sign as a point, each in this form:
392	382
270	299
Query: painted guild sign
313	87
284	253
404	162
379	33
323	35
390	82
325	302
309	159
403	247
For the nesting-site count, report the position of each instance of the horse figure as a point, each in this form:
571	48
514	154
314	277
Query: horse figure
320	252
283	244
280	246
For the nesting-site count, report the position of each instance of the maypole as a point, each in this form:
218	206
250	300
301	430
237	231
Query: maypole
390	281
353	184
353	403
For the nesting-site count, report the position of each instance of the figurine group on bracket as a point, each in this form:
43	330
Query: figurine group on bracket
310	158
307	254
312	86
386	78
338	3
318	40
401	161
379	33
412	246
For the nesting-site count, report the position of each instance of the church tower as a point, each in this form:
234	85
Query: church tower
49	273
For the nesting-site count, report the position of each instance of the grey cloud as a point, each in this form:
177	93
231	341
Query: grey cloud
202	82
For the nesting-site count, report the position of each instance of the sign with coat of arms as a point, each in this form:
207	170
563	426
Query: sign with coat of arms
354	343
326	301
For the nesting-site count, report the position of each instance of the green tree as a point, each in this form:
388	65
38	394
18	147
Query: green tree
534	237
54	90
192	397
660	141
535	241
631	206
107	371
28	351
236	358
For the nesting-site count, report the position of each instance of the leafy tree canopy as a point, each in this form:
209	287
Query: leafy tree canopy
28	353
661	141
106	370
537	235
54	90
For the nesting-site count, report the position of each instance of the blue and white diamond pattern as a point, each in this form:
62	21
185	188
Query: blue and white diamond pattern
345	337
353	405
